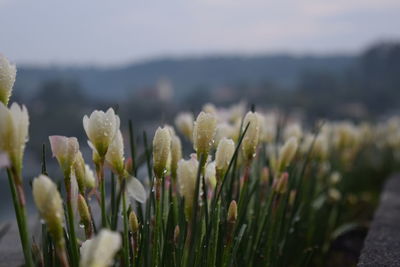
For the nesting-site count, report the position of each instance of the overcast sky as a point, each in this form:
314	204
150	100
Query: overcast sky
116	32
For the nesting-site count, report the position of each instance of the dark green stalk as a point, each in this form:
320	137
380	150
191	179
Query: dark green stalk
100	176
20	214
71	227
126	231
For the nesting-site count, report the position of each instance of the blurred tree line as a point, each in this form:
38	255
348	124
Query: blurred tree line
367	89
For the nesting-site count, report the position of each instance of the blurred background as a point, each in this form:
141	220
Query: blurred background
320	59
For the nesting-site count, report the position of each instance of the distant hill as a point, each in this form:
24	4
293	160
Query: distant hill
186	74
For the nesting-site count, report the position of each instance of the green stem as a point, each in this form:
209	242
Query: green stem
126	231
20	214
71	229
102	194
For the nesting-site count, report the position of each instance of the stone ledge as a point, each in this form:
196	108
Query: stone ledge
382	245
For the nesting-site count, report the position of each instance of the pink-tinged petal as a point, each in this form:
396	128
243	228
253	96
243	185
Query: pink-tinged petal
58	145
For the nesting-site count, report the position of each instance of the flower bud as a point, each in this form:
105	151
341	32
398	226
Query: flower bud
287	153
83	209
187	174
100	250
14	122
90	180
115	155
224	130
184	123
204	132
65	150
210	108
292	130
50	206
335	178
210	176
232	212
334	195
176	234
176	154
161	151
252	136
101	129
281	183
80	171
8	72
223	155
133	221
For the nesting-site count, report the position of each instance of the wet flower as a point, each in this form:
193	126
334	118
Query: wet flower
100	250
49	203
14	123
204	132
176	154
252	136
184	123
161	151
8	73
65	150
287	153
223	156
101	128
187	174
115	154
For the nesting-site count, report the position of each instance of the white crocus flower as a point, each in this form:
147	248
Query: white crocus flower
161	150
8	73
135	189
65	149
115	154
187	174
101	128
100	250
184	123
203	133
252	136
223	156
50	206
14	123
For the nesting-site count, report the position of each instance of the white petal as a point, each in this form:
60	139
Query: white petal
136	190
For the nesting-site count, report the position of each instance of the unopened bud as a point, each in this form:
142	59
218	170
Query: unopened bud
334	195
252	136
176	234
187	174
161	151
232	212
80	171
176	154
223	156
133	221
265	176
50	206
281	183
287	153
204	132
8	73
184	123
83	209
